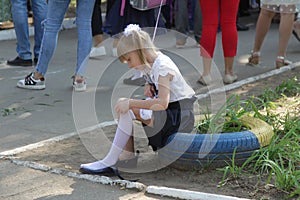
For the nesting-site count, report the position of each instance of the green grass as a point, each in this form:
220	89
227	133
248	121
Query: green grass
280	160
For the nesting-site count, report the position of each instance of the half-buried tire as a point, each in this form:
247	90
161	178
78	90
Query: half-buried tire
188	151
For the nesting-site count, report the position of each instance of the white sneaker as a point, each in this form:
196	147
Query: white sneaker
97	51
205	80
228	79
30	83
79	85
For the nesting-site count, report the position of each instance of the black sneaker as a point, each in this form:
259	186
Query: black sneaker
20	62
30	83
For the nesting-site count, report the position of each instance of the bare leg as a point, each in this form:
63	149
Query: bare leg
206	66
285	31
262	27
98	40
229	65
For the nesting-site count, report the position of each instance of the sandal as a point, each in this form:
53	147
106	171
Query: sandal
281	62
253	60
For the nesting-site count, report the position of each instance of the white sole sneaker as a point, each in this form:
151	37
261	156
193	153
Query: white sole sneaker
205	80
30	83
79	87
97	51
228	79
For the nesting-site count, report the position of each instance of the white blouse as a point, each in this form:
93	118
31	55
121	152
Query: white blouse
179	89
281	6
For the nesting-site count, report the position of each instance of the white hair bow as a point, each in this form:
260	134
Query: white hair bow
131	27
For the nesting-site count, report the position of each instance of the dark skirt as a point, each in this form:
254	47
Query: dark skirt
178	117
116	23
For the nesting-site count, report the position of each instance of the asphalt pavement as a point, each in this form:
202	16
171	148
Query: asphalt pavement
30	116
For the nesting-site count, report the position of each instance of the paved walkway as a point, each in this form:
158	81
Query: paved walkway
31	116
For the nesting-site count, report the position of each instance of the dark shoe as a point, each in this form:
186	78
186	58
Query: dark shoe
20	62
241	27
35	61
138	82
106	170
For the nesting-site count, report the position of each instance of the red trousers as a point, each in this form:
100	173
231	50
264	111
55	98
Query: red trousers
213	12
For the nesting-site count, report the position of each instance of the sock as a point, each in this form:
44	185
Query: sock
123	133
137	74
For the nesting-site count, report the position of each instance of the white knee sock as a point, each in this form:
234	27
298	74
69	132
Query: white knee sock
137	74
123	133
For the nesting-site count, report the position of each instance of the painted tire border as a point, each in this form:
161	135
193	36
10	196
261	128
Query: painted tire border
197	155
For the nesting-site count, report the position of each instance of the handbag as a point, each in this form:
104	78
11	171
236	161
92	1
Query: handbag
147	4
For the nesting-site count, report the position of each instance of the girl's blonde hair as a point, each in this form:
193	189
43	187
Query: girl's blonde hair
136	40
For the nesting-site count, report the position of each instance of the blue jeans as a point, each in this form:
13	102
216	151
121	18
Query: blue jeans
55	16
20	17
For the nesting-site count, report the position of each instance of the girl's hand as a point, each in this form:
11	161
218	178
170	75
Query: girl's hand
149	90
122	106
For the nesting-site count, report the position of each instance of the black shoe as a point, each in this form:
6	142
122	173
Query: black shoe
241	27
104	171
138	82
20	62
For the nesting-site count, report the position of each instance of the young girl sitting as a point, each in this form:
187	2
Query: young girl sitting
167	110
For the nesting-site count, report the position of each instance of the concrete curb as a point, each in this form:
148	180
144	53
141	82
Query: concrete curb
10	34
96	179
187	194
155	190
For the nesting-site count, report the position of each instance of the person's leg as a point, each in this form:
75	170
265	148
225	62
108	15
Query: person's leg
20	19
181	21
120	142
84	10
262	28
228	14
39	9
210	22
55	16
210	16
165	11
285	31
97	32
197	21
97	24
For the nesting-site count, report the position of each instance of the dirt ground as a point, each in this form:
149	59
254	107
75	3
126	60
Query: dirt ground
70	153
